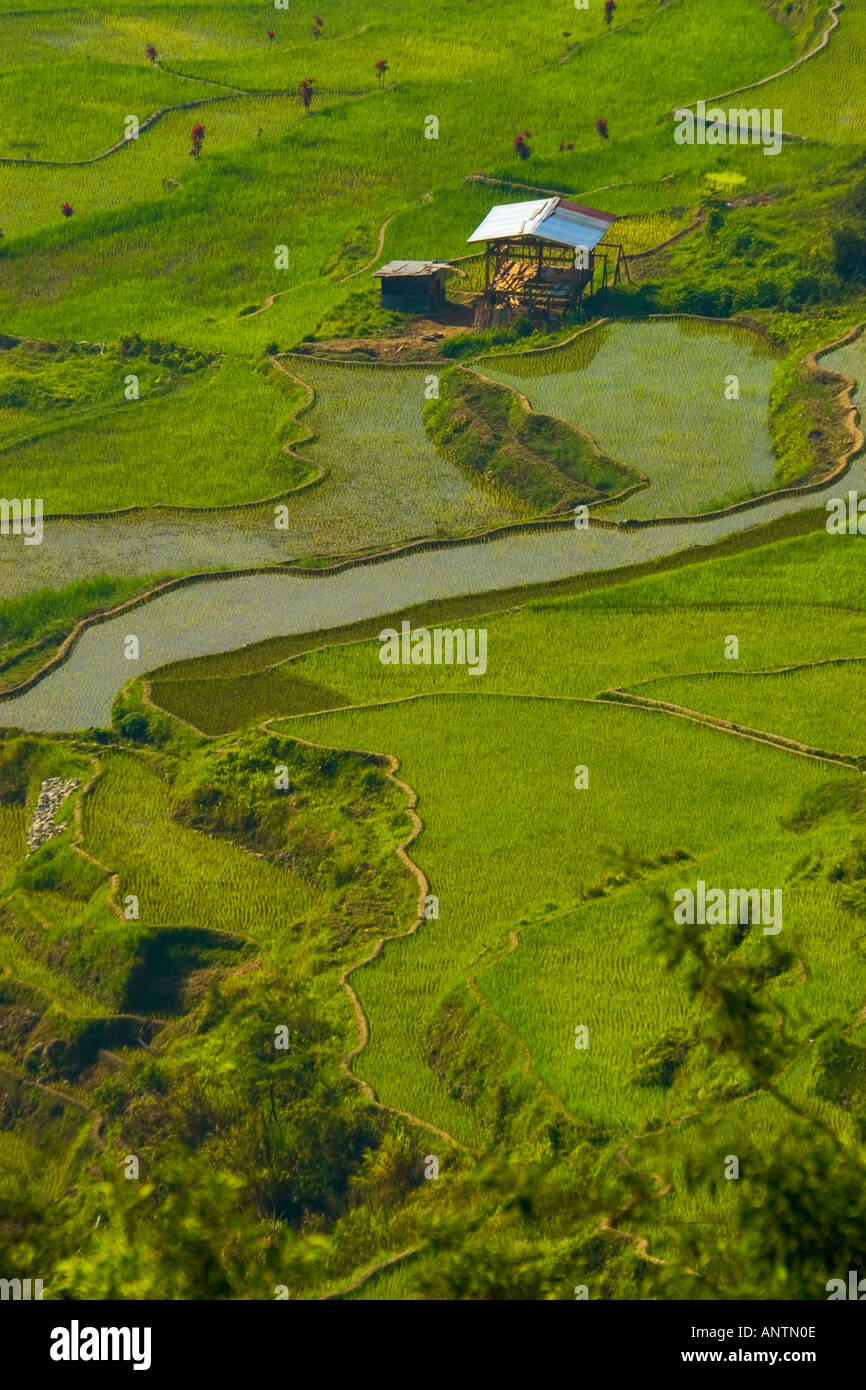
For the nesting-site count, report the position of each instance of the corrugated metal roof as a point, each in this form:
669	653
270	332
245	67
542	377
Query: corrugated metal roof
513	219
412	267
551	219
572	229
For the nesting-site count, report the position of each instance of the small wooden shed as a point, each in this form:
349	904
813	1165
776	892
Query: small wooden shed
414	286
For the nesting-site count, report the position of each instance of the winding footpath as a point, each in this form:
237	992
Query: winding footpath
832	24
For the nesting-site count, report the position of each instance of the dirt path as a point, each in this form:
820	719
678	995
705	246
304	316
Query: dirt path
146	124
663	1187
616	696
270	301
711	671
268	304
204	81
697	220
575	48
376	254
833	16
419	343
292	449
726	726
369	1273
856	1022
514	936
151	120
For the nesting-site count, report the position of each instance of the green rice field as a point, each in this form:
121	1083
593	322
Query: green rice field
827	83
633	760
814	705
405	981
182	878
91	463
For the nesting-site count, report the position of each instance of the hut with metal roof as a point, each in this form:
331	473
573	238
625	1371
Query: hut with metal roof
415	286
540	256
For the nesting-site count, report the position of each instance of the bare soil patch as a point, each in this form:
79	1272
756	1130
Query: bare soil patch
419	341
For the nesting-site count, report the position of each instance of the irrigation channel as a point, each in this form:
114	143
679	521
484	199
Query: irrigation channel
218	615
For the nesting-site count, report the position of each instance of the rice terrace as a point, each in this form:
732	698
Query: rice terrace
433	655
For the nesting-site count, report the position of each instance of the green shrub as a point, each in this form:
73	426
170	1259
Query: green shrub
849	253
15	761
658	1063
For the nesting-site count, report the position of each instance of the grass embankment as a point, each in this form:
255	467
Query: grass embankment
807	419
487	430
216	846
385	480
44	386
35	625
359	315
748	257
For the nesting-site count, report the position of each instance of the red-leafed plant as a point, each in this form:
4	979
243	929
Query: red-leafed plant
601	127
67	209
381	68
609	7
520	146
151	52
